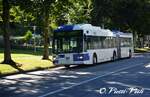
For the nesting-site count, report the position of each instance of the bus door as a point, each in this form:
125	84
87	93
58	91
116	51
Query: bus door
118	41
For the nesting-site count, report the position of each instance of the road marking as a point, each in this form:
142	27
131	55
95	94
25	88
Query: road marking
86	81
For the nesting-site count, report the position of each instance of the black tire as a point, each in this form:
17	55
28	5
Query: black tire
114	56
130	54
67	66
94	59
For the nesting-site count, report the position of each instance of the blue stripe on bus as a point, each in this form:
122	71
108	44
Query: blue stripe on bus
64	28
81	57
68	28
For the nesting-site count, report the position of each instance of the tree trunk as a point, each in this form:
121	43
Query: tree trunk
135	39
149	41
95	14
6	34
46	35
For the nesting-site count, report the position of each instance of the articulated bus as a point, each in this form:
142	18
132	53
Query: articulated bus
86	44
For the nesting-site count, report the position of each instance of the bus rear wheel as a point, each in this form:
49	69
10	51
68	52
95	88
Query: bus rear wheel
94	59
130	54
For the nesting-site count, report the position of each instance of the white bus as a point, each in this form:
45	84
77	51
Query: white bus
86	44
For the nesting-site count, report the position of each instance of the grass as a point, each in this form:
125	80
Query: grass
141	50
28	59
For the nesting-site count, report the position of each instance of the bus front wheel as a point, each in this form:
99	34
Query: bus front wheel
114	56
67	66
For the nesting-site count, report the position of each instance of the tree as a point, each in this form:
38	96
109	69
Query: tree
43	7
48	12
6	33
101	13
124	15
6	6
45	10
132	16
79	11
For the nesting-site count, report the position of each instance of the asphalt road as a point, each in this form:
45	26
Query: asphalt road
123	78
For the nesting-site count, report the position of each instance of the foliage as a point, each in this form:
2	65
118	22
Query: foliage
124	15
101	13
71	11
127	14
28	36
20	16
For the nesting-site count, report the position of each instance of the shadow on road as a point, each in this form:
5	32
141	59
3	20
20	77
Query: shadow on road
41	82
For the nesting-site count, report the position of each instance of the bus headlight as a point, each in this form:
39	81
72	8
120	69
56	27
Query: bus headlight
54	57
81	57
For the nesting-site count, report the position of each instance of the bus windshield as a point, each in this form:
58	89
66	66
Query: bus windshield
68	42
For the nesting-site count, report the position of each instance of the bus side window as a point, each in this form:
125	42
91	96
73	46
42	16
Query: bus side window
88	43
104	42
100	43
95	43
73	43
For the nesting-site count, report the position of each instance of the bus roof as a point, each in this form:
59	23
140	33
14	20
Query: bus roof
88	29
91	30
73	27
122	34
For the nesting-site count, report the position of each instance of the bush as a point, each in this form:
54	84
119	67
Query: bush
28	36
